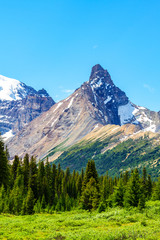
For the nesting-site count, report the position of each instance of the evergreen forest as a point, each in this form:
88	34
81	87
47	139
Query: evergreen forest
27	187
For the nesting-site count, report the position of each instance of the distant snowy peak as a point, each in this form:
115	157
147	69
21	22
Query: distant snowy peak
12	90
19	105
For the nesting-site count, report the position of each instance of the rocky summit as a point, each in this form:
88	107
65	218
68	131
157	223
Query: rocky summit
96	103
19	105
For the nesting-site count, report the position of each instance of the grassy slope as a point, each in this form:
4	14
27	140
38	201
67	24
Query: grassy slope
125	156
114	224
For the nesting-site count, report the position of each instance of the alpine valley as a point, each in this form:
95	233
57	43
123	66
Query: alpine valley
97	121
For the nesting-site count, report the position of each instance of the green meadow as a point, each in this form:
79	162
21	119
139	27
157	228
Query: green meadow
113	224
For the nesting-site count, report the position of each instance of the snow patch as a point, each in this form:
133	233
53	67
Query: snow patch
114	129
53	122
7	135
98	83
144	119
97	125
125	113
101	112
11	89
58	105
70	103
135	111
151	128
107	100
67	98
108	86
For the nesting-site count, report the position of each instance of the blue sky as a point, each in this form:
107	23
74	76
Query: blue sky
53	44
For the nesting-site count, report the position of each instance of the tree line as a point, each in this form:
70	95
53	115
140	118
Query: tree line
27	187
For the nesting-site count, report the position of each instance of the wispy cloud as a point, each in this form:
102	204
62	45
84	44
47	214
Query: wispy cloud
149	88
67	90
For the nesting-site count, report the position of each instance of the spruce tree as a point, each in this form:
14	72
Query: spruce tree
118	195
25	169
4	168
53	183
29	203
105	188
48	177
14	168
156	191
90	195
40	180
17	195
149	186
2	198
90	172
33	176
132	194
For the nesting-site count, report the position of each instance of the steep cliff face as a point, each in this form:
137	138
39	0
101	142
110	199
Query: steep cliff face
19	105
114	106
104	95
96	103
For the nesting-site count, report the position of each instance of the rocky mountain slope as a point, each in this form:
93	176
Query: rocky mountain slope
114	149
19	105
96	103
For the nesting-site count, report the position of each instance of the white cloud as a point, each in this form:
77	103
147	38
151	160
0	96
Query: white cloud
67	90
149	88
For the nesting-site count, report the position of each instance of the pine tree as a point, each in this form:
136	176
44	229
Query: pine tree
79	185
7	152
90	195
33	176
48	182
125	177
90	172
149	186
40	180
4	168
25	169
29	202
105	188
14	168
43	202
156	191
53	183
2	198
132	194
17	195
118	195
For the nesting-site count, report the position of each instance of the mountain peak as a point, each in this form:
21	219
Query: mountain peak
10	88
95	69
43	92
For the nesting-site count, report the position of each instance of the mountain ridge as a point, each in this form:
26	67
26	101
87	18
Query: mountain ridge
95	103
19	104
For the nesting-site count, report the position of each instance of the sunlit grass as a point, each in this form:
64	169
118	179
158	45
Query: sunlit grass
113	224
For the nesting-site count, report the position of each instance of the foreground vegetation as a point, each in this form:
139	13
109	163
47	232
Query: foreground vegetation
113	224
